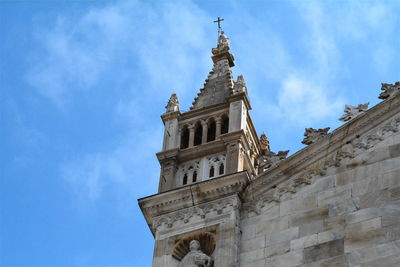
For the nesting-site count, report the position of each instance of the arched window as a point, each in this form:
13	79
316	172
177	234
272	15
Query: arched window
211	130
211	171
221	169
184	137
184	179
194	178
197	134
224	124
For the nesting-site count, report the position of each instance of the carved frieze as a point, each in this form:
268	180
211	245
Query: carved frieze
201	211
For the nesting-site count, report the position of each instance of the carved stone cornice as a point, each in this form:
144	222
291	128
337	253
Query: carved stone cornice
170	116
202	211
340	146
192	195
167	155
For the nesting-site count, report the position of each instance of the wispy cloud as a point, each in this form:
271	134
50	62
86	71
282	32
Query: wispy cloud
149	52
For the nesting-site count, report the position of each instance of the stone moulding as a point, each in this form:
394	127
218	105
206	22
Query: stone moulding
184	202
207	210
344	143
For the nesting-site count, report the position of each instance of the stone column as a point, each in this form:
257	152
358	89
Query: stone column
191	135
218	122
204	135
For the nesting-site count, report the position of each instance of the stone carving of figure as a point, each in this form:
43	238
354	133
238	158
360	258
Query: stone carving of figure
350	112
313	135
195	258
173	104
264	143
389	90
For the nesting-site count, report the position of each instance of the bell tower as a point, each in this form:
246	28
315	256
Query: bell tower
209	155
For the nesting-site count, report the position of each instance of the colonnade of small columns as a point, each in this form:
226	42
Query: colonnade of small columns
206	132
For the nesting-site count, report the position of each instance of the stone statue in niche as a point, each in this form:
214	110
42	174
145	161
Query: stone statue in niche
195	258
389	90
173	104
350	112
313	135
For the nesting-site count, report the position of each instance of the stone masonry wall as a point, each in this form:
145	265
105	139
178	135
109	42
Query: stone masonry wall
348	217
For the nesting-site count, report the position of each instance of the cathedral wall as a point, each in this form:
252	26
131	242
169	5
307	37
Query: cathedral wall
346	216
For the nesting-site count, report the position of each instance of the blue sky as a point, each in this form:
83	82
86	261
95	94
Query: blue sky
83	84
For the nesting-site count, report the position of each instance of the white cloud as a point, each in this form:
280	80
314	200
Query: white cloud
157	40
128	170
305	102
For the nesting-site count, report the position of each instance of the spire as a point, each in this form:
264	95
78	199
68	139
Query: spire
219	84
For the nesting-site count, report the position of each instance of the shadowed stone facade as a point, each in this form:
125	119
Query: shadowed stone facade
334	203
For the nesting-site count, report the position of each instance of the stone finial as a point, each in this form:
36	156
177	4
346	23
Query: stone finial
239	85
223	44
350	112
313	135
264	143
173	104
389	90
271	159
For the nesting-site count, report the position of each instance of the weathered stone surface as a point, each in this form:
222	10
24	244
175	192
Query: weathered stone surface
297	205
309	216
347	206
304	242
324	250
330	235
375	254
272	226
293	258
286	235
277	249
338	261
311	228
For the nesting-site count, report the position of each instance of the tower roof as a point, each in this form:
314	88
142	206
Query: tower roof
219	84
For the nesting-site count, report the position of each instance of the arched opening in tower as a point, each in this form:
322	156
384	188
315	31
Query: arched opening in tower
185	138
225	124
211	130
198	134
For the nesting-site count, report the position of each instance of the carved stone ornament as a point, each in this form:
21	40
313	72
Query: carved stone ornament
264	143
313	135
389	90
271	159
239	85
350	112
223	44
173	104
195	258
